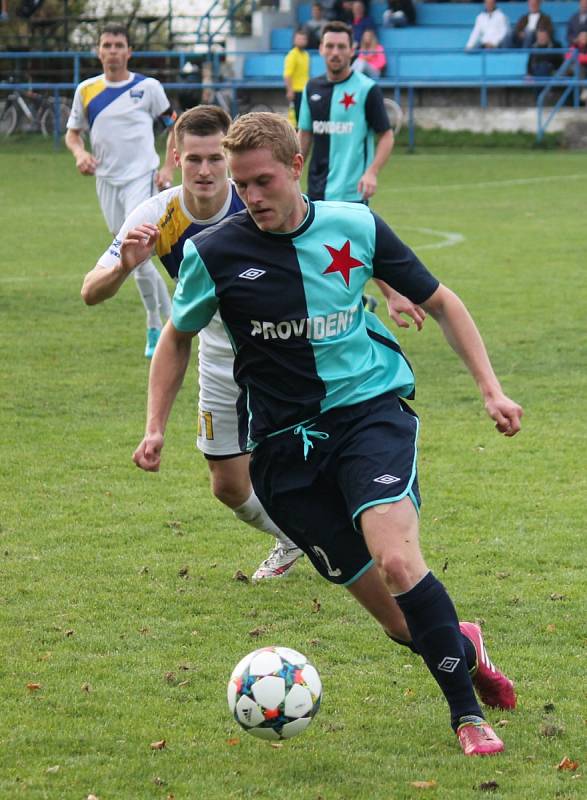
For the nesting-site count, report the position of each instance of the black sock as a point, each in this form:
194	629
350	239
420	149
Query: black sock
434	626
470	652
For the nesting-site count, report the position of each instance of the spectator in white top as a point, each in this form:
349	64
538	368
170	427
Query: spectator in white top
491	28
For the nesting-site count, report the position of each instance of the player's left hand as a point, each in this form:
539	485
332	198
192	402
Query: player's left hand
506	413
367	185
164	178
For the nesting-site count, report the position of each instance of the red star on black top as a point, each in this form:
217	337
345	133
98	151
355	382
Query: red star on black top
342	261
348	100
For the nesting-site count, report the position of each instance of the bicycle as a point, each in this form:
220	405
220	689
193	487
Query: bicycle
32	111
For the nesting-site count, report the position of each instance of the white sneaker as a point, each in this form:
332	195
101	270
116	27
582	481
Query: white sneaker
279	562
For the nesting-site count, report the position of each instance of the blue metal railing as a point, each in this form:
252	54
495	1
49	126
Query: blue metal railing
568	83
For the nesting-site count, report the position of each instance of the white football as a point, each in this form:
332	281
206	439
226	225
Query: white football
274	693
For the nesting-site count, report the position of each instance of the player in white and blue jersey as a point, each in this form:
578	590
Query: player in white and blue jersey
118	109
164	223
323	398
341	117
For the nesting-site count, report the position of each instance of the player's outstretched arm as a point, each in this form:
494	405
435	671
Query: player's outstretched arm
102	282
461	333
168	367
397	305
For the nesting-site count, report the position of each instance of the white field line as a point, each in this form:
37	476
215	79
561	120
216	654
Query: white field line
443	187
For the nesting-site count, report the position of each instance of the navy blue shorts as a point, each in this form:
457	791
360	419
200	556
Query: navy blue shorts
316	480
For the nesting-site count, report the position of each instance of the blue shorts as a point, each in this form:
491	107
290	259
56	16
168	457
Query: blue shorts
315	480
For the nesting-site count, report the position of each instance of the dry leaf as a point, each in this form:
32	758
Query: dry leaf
158	745
240	576
170	677
170	797
556	596
183	683
33	687
408	692
232	742
92	797
551	729
424	784
489	786
502	723
568	764
184	572
256	632
85	687
69	632
277	745
316	605
53	770
551	628
144	631
159	782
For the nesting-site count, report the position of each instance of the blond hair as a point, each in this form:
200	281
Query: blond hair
263	129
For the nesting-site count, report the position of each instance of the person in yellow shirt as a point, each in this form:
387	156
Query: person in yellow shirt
296	72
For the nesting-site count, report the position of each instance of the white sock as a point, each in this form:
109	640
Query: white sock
253	513
148	283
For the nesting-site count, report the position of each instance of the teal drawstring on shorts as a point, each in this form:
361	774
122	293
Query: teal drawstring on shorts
306	434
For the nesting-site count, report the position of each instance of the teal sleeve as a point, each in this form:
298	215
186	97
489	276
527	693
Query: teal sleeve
305	118
195	301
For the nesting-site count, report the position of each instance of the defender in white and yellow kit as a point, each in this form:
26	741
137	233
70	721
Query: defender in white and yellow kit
118	110
162	224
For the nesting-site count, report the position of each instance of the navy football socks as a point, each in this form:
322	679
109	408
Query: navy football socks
434	626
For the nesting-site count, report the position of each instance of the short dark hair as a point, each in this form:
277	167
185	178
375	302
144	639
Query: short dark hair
336	26
116	29
201	121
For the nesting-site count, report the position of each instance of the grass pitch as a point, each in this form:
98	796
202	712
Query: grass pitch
120	619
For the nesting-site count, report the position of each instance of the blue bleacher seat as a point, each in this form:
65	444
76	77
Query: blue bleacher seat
423	37
282	38
316	65
457	66
263	66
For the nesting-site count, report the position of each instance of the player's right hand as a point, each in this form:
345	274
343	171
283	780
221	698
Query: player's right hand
147	456
86	163
138	245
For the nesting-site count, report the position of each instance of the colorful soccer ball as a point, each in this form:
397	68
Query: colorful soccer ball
274	692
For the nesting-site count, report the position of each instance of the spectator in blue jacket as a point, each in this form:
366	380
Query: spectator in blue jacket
361	21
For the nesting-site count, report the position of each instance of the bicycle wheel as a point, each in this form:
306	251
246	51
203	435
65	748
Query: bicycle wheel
8	120
48	119
395	115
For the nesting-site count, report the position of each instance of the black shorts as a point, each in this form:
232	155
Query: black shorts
356	457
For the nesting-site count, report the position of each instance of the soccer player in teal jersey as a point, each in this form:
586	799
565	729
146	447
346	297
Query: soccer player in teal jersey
341	115
324	386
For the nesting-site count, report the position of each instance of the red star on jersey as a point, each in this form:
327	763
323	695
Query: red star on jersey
348	100
342	261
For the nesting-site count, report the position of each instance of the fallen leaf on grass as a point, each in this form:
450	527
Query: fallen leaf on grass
33	687
234	741
568	764
92	797
184	572
85	687
551	729
53	770
277	745
170	677
256	632
70	632
424	784
159	782
316	605
239	575
489	786
183	683
158	745
502	723
557	596
551	628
